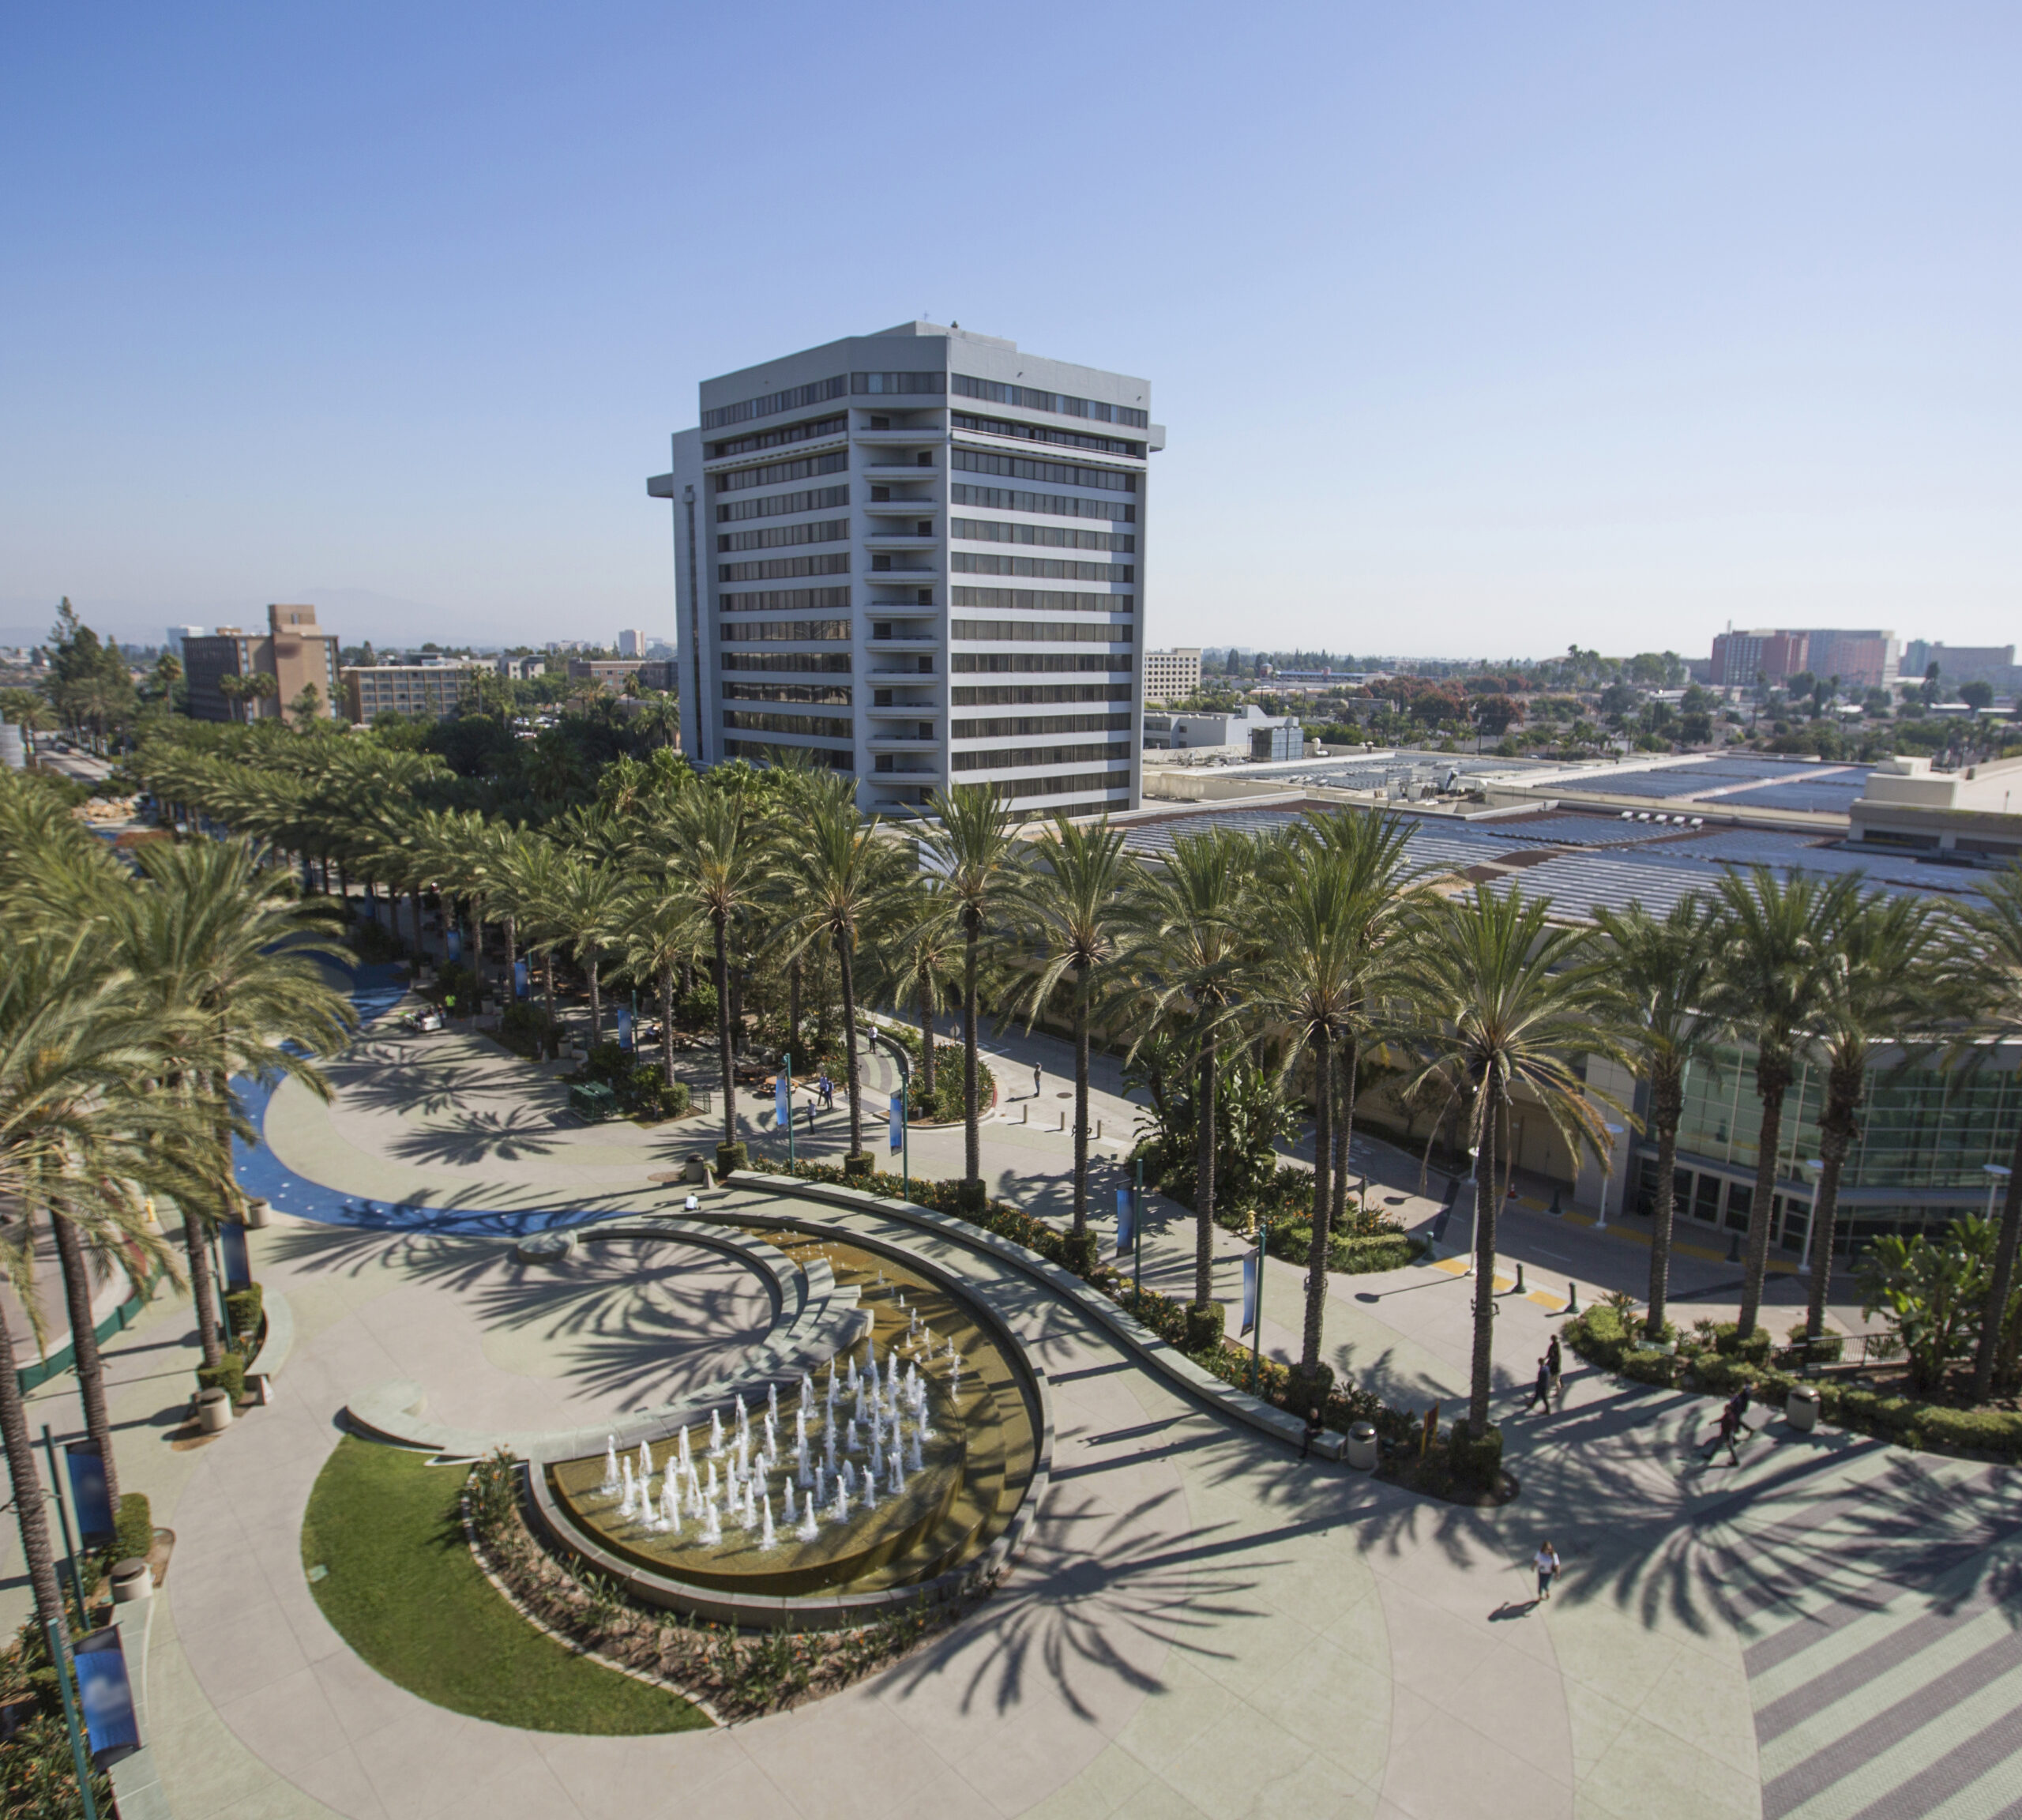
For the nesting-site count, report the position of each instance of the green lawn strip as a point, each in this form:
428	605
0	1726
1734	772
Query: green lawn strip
401	1587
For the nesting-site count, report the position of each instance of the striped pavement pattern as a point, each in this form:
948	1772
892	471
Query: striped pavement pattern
1881	1624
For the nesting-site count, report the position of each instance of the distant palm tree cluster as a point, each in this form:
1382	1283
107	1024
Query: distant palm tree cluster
1318	952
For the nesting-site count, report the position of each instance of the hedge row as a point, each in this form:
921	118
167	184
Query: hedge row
1602	1336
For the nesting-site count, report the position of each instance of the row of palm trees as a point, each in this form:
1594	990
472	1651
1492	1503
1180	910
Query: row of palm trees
1321	948
130	1000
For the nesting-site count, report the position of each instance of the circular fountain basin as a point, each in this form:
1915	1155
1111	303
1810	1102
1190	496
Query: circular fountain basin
978	1463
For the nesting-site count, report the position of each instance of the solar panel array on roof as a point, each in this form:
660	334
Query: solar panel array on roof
1830	793
1576	882
1600	830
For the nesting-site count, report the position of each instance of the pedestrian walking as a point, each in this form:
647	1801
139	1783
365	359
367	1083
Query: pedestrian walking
1038	1080
1738	1403
1724	1436
1547	1562
1541	1391
1314	1427
1555	1369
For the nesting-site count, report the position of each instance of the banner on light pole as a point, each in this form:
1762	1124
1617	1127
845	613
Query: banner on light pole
1250	1263
1127	1221
896	1119
783	1100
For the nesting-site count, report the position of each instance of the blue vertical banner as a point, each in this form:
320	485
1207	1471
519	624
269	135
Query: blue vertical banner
783	1100
238	1262
1250	1272
105	1692
1127	1221
453	943
88	1496
519	978
624	1028
897	1121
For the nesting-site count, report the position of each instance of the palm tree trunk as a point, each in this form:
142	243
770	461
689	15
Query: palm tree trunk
512	956
1486	1212
30	1513
420	952
597	1003
1204	1170
83	1348
201	1292
1344	1120
1080	1102
926	1044
2001	1283
1666	1107
846	960
971	1112
1771	1081
1323	1156
477	948
718	922
666	1023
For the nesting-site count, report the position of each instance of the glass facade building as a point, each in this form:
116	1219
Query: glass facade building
1919	1162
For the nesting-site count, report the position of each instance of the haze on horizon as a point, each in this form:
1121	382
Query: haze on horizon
1479	331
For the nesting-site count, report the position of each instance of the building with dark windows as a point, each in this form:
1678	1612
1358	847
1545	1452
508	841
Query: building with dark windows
235	675
918	556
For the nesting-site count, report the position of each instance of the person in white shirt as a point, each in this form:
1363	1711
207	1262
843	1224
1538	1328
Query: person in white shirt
1545	1560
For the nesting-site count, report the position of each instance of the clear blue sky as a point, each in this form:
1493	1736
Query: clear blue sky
1478	329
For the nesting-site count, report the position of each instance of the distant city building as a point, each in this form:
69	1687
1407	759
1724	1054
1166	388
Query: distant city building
631	644
1866	660
1860	659
1171	675
1233	730
293	651
914	556
439	690
1741	660
1993	664
522	669
177	634
614	673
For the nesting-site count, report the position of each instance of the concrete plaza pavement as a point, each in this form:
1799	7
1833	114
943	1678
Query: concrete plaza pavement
1203	1625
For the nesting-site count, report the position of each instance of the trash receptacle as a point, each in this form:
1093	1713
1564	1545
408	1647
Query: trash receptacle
132	1579
256	1213
214	1409
1800	1409
1361	1447
696	1169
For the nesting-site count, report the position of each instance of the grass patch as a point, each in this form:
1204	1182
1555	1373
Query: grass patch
400	1587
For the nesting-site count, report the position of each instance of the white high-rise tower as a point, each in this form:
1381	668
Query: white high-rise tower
919	556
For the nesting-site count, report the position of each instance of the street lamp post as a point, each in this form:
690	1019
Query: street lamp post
1475	1207
1607	1175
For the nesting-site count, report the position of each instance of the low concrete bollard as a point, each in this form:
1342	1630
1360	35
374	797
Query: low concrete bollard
132	1579
1800	1409
214	1409
1361	1447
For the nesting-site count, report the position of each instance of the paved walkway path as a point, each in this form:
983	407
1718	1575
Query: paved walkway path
1203	1625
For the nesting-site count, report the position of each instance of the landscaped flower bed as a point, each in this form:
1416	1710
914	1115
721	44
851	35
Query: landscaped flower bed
1711	1359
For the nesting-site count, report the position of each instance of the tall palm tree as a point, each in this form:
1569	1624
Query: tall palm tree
974	847
220	951
922	961
1662	967
726	862
1071	906
656	926
1887	975
1519	1009
1387	900
1194	935
585	904
1774	949
1988	963
81	1138
842	876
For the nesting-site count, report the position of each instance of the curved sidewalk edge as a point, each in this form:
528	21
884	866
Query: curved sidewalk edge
1160	1355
